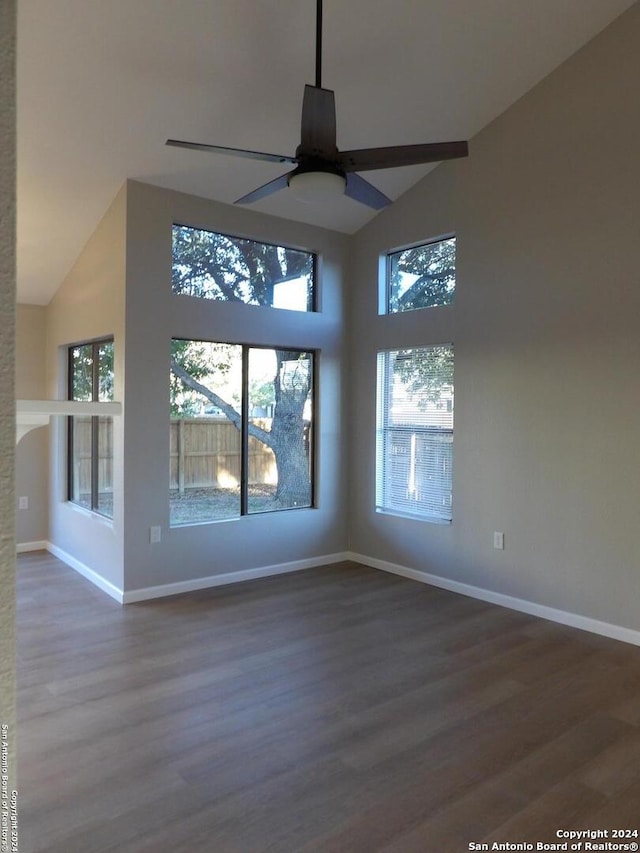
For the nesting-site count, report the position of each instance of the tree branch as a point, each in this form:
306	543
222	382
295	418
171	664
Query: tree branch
228	410
425	278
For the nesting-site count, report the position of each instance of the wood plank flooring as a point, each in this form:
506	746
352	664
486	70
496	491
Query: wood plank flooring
336	709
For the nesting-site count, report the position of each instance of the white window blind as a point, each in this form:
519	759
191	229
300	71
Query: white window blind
415	432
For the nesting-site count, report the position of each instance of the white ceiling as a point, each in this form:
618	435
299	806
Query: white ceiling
102	85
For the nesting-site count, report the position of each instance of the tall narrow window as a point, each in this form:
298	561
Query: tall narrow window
421	277
241	430
415	432
233	269
90	477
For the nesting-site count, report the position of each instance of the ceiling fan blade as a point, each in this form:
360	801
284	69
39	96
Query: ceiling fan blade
318	131
364	192
265	190
401	155
235	152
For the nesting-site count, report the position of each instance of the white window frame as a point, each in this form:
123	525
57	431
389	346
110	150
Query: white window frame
385	270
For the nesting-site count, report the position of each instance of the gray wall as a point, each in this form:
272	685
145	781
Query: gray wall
153	316
89	305
32	454
547	347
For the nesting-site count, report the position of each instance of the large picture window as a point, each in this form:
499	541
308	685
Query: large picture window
421	277
233	269
241	430
415	432
90	452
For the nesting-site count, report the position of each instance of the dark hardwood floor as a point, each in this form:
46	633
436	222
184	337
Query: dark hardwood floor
336	709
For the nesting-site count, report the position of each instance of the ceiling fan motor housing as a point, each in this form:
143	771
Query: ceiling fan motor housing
311	162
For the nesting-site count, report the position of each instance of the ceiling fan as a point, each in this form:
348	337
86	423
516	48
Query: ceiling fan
319	166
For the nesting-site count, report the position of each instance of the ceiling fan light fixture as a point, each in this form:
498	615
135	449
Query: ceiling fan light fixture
316	187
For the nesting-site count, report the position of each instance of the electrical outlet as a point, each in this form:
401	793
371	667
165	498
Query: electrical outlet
498	541
155	535
23	503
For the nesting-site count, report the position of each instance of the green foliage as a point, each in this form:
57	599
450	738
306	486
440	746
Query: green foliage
261	393
87	359
209	363
427	371
82	373
215	266
105	371
433	266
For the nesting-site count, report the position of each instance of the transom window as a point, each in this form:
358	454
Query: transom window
241	430
233	269
421	277
415	432
90	438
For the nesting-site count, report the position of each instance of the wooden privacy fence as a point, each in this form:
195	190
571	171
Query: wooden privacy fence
82	455
205	453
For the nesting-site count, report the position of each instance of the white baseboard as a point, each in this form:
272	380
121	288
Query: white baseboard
149	592
574	620
25	547
563	617
86	572
160	591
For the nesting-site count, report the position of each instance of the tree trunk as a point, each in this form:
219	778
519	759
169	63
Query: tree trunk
294	486
288	432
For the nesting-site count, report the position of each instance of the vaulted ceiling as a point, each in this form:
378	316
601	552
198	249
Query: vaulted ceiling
102	85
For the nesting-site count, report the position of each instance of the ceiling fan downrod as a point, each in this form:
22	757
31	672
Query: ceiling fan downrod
319	44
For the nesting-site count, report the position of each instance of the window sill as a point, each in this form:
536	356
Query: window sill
430	519
90	513
243	518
